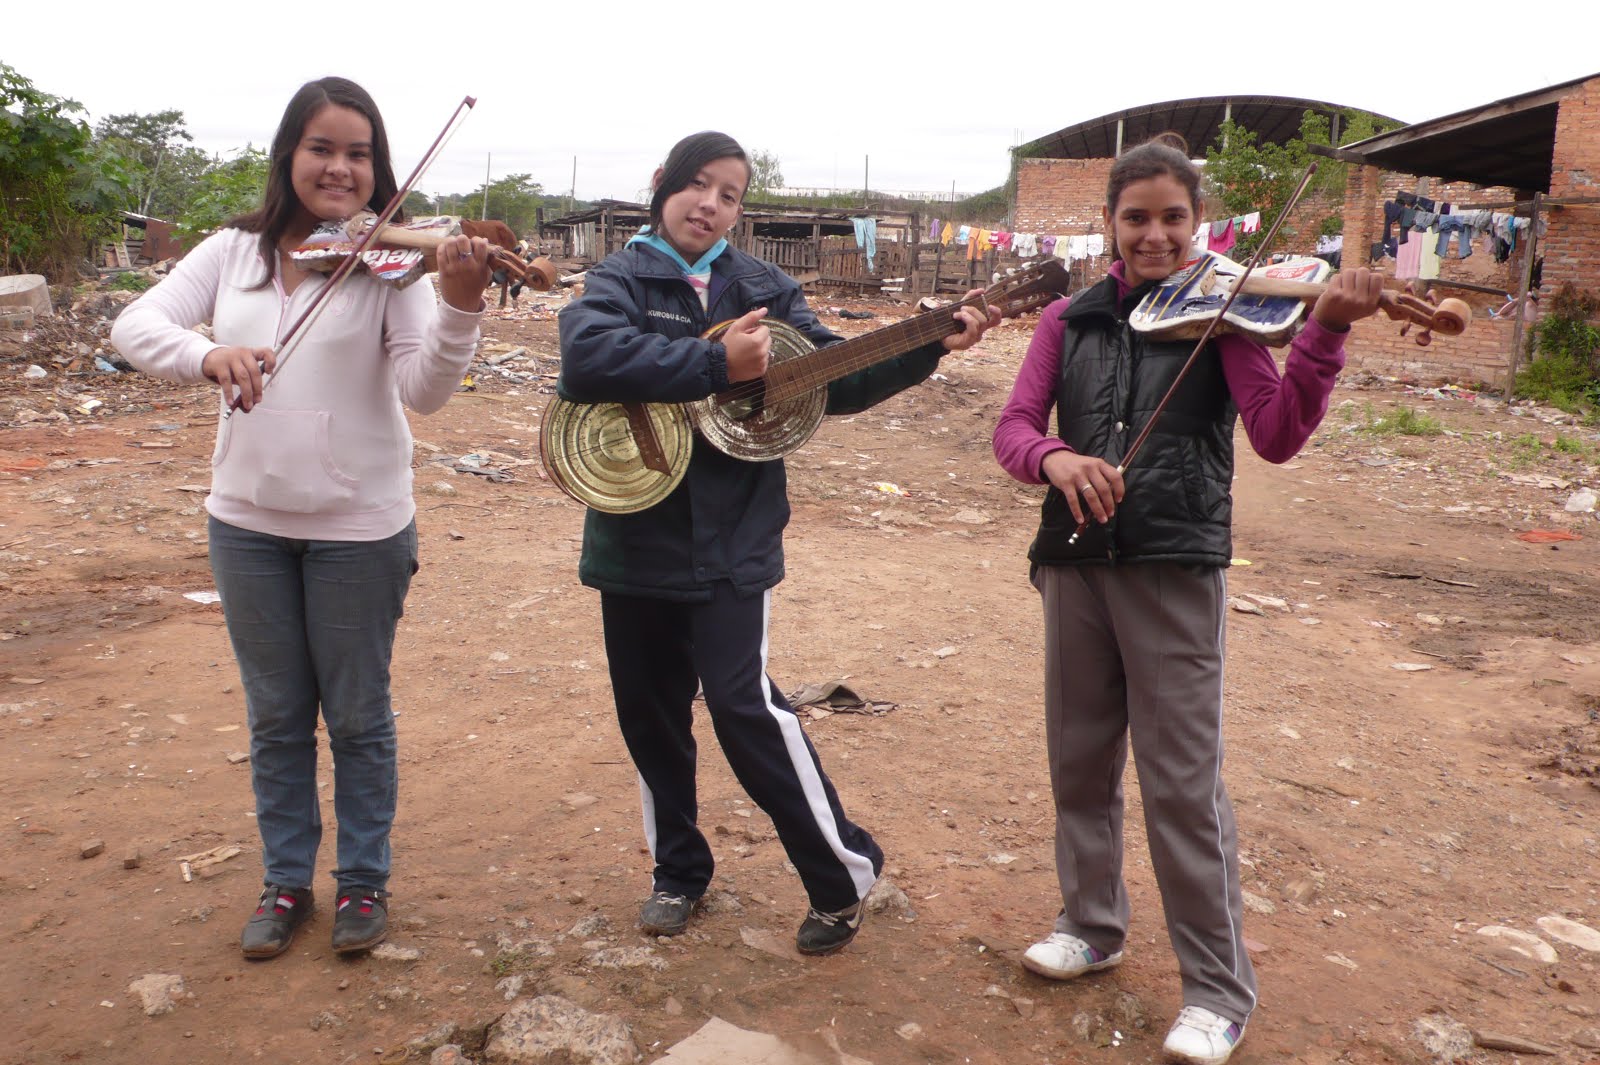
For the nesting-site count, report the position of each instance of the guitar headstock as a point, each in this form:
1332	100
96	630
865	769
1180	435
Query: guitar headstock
1028	288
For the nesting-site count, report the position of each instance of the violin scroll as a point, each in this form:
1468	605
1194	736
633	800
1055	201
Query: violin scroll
1448	317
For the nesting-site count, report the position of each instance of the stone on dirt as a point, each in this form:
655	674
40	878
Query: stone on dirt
549	1030
158	993
1442	1036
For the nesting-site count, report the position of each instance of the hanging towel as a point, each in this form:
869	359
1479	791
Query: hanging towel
1096	244
947	234
1047	244
1025	245
1222	237
867	238
933	230
1250	223
963	234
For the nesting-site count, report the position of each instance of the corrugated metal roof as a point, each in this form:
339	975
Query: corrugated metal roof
1274	120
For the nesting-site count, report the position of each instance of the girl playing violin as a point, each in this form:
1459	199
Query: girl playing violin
313	540
1133	612
686	585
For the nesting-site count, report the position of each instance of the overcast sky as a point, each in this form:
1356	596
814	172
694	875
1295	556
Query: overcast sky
924	94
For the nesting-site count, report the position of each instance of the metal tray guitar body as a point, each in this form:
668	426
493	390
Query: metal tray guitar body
621	458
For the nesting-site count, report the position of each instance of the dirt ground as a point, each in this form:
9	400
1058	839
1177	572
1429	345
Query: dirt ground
1413	730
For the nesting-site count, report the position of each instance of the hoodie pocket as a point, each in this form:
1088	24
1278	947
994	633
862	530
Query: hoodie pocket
280	460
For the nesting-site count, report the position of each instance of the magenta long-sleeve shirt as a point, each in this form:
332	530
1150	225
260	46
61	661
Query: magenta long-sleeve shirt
1280	411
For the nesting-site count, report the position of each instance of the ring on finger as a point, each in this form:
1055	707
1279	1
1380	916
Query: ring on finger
1086	487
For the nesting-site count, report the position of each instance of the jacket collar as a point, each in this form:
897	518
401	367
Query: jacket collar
652	263
1107	298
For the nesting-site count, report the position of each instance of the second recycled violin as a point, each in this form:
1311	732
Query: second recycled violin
403	252
1270	306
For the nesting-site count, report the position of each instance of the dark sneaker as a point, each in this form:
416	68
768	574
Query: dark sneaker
361	920
270	929
666	914
824	933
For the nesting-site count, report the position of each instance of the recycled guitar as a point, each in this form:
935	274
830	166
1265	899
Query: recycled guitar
625	457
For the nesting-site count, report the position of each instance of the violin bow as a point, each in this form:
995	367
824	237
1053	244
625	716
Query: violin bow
1211	327
308	317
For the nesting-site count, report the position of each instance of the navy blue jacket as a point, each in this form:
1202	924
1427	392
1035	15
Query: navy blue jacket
635	336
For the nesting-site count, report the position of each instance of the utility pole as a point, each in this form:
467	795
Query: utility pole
487	158
866	179
572	197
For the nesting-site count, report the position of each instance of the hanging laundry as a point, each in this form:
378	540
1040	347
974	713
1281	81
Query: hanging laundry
947	234
1428	261
933	230
1047	244
867	238
1025	245
1250	223
1408	260
1077	248
1002	240
1096	244
963	235
1222	237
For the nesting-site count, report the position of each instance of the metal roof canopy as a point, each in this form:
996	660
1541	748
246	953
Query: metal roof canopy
1274	120
1509	142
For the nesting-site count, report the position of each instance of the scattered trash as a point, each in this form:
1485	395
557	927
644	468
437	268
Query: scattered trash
1240	562
190	864
35	371
1547	536
889	488
1410	667
203	597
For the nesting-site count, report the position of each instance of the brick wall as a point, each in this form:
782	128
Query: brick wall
1571	244
1065	197
1570	249
1061	196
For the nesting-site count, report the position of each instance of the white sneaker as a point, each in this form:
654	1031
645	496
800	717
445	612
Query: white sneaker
1200	1037
1062	957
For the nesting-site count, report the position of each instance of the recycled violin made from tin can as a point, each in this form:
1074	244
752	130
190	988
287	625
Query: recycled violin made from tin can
1270	306
402	252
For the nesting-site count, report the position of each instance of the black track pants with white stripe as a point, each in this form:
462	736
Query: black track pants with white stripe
659	652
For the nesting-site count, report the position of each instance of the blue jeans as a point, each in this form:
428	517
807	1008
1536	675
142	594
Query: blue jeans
312	624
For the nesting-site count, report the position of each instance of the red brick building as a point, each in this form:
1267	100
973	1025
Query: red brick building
1536	156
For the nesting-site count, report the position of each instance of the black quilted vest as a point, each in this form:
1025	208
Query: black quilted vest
1179	503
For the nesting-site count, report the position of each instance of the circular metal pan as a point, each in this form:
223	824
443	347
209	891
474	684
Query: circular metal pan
774	430
590	452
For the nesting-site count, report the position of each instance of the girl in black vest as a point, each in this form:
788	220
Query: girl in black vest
1134	610
686	584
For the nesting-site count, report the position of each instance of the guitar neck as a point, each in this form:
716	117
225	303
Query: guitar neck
799	375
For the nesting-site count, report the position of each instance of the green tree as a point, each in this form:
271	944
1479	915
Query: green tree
157	154
229	187
514	199
766	174
58	195
417	205
1243	176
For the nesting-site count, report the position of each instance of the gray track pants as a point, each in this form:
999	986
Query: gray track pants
1138	649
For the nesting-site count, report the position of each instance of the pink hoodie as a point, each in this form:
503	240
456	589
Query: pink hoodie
326	454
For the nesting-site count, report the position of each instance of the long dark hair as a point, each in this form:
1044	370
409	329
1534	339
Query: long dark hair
280	206
687	158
